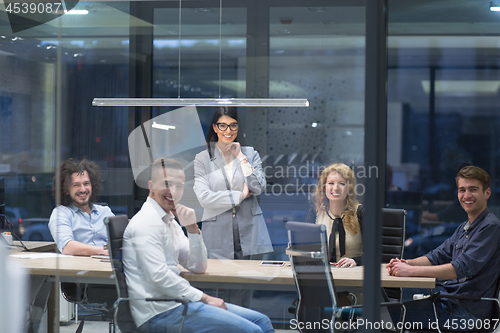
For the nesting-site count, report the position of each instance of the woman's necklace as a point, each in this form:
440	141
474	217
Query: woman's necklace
334	216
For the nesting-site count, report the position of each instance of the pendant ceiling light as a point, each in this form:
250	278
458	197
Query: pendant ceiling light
234	102
247	102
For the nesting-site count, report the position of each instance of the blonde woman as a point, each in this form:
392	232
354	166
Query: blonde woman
338	209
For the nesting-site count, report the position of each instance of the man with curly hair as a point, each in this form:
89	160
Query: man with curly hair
77	225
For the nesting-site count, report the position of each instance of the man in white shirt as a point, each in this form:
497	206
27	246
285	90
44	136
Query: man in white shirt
154	244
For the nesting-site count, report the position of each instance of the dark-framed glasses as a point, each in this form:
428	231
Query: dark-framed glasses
224	126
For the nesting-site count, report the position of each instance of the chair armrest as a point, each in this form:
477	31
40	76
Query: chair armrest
150	299
382	304
467	298
440	282
308	254
346	312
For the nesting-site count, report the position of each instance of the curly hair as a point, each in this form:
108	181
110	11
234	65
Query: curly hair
322	203
71	166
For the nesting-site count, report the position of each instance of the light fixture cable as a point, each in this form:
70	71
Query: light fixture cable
220	45
179	57
246	102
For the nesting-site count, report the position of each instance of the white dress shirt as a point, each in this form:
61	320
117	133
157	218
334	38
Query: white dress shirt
246	167
153	245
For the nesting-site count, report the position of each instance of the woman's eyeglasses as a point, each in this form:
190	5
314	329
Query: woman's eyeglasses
224	126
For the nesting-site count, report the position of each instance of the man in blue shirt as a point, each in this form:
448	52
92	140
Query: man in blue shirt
469	261
77	225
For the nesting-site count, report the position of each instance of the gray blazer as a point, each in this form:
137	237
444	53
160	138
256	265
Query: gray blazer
212	193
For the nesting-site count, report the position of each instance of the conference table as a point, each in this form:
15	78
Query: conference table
239	273
47	268
250	274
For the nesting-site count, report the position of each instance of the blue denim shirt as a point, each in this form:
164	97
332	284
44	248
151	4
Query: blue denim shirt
69	223
475	255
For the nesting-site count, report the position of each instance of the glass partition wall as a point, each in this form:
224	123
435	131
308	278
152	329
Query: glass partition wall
442	87
443	92
246	49
84	59
275	51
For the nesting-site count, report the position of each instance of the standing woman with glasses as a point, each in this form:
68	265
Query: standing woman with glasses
228	179
338	209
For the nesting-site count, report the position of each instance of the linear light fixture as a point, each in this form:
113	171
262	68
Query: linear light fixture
162	127
244	102
471	87
495	6
73	12
217	102
77	12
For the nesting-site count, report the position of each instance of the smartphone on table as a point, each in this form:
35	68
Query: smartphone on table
272	263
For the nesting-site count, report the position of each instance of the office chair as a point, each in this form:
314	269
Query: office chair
98	298
494	320
115	226
393	238
317	301
91	297
412	202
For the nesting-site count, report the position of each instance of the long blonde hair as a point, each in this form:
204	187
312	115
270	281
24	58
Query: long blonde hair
322	204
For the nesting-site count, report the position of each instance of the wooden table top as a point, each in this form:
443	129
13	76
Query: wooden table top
219	271
250	271
67	266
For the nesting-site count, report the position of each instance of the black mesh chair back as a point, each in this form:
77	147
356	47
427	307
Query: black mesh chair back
411	201
393	238
313	278
393	233
116	227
